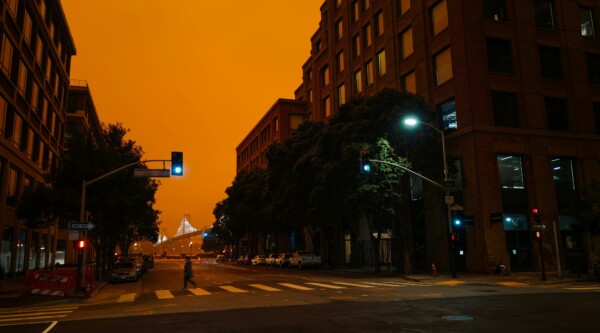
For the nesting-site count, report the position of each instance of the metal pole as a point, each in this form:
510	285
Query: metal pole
81	252
557	253
543	264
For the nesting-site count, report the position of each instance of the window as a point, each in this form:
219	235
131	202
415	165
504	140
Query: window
338	3
593	65
17	131
596	117
339	29
340	61
409	83
35	90
317	46
448	114
550	65
295	121
504	107
514	222
562	173
39	50
355	11
27	28
7	51
499	55
542	10
510	172
358	82
13	186
369	69
341	95
12	7
325	75
308	74
379	24
494	9
310	96
556	114
439	17
356	45
443	66
587	22
368	37
48	67
30	141
404	6
367	4
406	40
381	64
326	107
3	110
22	79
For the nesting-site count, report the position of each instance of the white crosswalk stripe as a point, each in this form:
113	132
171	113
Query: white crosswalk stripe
37	314
163	294
233	289
385	284
359	285
295	286
124	298
263	287
325	285
199	292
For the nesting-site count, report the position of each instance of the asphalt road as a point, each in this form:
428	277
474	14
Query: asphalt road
263	299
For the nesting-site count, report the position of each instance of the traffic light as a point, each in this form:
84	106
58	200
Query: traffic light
457	222
81	244
176	163
536	215
365	162
537	234
454	238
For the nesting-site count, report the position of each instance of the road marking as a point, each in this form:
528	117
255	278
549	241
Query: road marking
450	283
263	287
233	289
199	292
15	315
163	294
406	284
130	297
325	285
583	288
49	328
513	284
31	318
295	286
384	284
354	284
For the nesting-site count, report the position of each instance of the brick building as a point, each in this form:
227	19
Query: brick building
35	59
516	88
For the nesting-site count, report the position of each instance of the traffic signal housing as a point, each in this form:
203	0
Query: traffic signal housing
176	163
365	162
536	215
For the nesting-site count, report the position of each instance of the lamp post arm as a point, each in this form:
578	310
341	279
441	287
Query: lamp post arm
411	172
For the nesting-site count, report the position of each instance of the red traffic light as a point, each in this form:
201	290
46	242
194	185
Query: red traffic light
81	244
535	211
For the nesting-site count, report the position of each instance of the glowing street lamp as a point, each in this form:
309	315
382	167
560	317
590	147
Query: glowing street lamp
412	122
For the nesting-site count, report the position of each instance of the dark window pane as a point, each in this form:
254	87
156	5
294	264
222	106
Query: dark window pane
510	172
542	10
597	116
499	57
562	173
593	65
556	114
504	106
494	9
550	64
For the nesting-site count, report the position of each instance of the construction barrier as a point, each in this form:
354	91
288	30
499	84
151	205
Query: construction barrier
58	282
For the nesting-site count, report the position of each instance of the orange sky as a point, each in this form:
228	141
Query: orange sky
192	76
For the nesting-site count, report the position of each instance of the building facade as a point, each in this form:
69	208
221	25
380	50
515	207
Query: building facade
35	60
516	90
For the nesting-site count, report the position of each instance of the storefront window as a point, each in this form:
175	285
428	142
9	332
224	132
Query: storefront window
515	222
562	173
510	172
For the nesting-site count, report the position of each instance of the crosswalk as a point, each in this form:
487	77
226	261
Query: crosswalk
32	315
274	287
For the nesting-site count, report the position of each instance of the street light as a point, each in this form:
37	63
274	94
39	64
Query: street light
412	122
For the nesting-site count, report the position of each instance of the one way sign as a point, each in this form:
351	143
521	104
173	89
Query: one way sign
82	226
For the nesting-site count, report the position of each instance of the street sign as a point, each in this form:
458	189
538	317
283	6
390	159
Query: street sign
449	199
539	227
151	173
82	226
449	183
457	207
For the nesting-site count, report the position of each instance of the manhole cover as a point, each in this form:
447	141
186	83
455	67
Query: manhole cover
457	318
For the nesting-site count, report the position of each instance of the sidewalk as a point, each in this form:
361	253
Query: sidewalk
528	278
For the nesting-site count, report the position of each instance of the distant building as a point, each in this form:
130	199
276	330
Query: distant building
35	59
516	88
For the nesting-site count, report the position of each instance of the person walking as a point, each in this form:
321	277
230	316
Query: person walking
187	273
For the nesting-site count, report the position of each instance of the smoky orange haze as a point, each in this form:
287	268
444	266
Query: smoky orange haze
192	76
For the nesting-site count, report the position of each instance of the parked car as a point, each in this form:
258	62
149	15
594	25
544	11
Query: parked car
302	259
137	262
148	261
124	271
247	260
259	260
270	260
220	258
283	259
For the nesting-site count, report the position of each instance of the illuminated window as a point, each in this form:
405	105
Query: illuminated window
27	28
562	173
39	50
404	6
406	40
48	67
439	17
409	82
448	114
504	107
339	29
341	94
586	19
358	81
30	141
367	34
22	79
17	131
43	8
356	46
12	6
369	69
295	121
340	61
367	4
379	24
356	11
544	17
510	172
494	9
7	51
13	186
381	64
443	66
325	75
326	107
557	114
338	3
499	55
